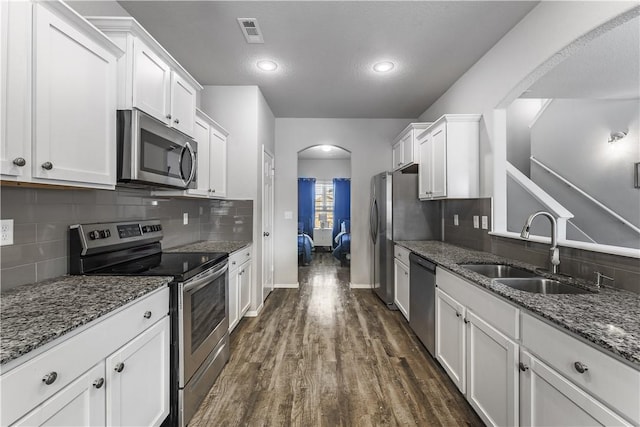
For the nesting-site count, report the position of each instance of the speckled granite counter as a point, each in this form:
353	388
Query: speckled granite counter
33	315
210	246
610	319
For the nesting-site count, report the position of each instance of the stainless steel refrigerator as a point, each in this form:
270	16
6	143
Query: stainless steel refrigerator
397	214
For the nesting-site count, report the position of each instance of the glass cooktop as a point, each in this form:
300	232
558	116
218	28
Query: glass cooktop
180	265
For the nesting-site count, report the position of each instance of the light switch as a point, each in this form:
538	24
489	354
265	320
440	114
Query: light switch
288	214
476	221
185	218
485	222
456	220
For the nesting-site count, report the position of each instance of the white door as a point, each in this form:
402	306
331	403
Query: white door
401	280
138	379
15	64
183	105
81	403
450	337
234	297
425	168
439	162
201	136
75	104
267	224
218	164
549	399
151	83
245	287
492	373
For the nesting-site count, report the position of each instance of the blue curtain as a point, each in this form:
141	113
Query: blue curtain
306	204
341	203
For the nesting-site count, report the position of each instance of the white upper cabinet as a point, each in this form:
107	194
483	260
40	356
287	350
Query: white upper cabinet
59	77
149	78
449	162
218	162
405	149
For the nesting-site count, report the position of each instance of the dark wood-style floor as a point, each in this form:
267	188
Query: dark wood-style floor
326	355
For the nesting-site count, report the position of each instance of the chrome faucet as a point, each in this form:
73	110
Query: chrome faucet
554	254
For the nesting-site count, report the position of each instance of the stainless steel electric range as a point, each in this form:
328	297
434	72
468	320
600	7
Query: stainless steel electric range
199	299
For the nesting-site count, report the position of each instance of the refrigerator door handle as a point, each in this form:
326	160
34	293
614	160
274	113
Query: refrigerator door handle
374	228
371	233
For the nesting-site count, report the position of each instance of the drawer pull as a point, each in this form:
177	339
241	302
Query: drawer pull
466	321
580	367
19	161
47	166
98	383
457	314
147	315
523	367
119	367
50	378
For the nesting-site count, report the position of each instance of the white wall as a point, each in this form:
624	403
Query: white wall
369	141
520	115
97	7
324	169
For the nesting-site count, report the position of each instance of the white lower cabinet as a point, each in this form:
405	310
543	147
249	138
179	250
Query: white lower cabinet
549	399
451	338
401	280
240	282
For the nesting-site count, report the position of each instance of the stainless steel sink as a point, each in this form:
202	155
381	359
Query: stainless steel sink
539	285
496	271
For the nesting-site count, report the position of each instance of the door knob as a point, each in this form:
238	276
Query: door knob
19	161
47	166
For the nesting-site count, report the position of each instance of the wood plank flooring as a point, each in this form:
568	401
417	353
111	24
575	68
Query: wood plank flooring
326	355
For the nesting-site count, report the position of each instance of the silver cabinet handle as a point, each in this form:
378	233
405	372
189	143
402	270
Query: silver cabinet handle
213	190
147	315
406	274
523	367
265	234
457	314
98	383
47	166
580	367
50	378
168	116
119	367
176	121
210	190
248	253
466	321
19	161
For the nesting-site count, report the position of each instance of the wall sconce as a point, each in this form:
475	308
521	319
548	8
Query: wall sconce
616	136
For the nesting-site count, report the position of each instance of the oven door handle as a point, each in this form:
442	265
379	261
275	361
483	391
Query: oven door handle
203	281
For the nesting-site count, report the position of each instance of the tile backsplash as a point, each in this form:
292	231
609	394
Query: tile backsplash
42	218
574	262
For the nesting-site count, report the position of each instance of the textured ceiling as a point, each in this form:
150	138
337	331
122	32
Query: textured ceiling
606	68
325	49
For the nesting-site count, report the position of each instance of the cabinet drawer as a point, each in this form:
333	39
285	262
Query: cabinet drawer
611	381
239	257
500	314
402	254
23	387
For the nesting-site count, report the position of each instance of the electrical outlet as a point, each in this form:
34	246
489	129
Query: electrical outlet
456	220
485	222
185	218
476	221
6	225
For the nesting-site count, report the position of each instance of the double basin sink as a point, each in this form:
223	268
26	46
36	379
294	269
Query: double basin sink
523	280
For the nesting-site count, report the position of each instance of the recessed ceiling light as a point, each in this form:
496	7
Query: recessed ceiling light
326	148
383	67
266	65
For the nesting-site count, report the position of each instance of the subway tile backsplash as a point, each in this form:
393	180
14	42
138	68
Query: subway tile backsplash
42	218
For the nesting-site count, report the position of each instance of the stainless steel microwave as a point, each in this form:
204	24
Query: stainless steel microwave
152	154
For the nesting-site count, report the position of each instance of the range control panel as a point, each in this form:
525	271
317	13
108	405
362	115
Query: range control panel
114	233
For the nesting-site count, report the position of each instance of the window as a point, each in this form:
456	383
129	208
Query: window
324	205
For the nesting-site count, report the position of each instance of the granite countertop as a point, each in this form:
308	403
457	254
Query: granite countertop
210	246
609	318
33	315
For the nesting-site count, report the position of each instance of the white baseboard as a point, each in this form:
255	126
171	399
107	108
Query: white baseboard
359	286
286	286
254	313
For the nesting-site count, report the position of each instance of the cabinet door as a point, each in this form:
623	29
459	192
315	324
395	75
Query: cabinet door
438	162
549	399
81	403
183	105
151	83
218	164
138	379
245	287
401	280
201	136
397	155
407	148
450	338
425	171
234	297
75	104
15	65
492	373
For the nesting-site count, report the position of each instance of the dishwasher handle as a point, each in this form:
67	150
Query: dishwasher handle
417	259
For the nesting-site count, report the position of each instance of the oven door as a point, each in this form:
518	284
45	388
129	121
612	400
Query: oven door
202	318
151	153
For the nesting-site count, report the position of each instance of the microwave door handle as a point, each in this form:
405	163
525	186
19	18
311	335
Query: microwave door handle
202	282
192	174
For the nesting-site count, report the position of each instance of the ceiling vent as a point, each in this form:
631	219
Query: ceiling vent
251	30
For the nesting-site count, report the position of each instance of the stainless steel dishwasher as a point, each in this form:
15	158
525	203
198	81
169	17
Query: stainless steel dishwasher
422	301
